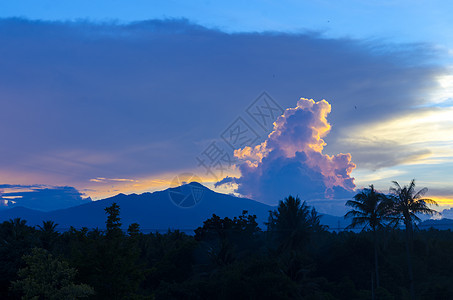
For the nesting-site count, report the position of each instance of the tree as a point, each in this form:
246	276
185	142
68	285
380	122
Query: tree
16	239
113	223
369	210
46	277
133	230
315	220
291	224
291	227
229	239
111	262
406	204
48	234
19	228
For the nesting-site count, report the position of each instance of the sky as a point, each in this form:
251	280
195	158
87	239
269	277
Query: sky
103	97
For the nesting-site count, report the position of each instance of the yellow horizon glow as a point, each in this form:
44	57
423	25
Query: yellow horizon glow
101	189
443	201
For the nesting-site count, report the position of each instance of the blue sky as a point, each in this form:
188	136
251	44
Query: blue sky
112	96
399	21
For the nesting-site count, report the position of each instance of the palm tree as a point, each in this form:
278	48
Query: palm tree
48	226
18	232
406	205
370	210
48	234
291	227
290	223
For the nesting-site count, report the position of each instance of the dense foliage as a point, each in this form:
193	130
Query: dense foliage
294	258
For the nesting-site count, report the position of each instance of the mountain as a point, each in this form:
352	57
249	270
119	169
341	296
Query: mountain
32	216
442	224
184	208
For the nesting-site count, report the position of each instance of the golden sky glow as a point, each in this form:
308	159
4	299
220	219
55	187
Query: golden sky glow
102	188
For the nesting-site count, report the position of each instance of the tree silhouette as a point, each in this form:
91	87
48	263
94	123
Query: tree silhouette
133	230
406	204
229	239
113	223
291	224
369	210
19	228
16	239
173	265
46	277
315	220
48	234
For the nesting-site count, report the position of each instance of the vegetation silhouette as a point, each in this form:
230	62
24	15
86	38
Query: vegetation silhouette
370	209
290	225
46	277
48	234
406	204
295	257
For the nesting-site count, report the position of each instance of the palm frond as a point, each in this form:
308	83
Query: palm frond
429	201
354	213
420	193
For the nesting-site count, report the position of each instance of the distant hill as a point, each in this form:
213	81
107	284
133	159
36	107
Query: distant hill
442	224
184	208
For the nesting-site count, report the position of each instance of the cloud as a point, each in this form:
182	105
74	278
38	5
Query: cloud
84	100
40	197
290	160
105	180
420	136
447	213
376	153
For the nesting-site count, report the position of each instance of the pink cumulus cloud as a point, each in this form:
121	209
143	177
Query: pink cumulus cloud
290	160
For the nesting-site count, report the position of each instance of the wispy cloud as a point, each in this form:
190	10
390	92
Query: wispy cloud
420	136
105	180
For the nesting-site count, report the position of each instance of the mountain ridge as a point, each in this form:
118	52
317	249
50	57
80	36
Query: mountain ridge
184	208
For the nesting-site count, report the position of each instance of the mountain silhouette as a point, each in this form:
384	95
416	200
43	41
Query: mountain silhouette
184	207
442	224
